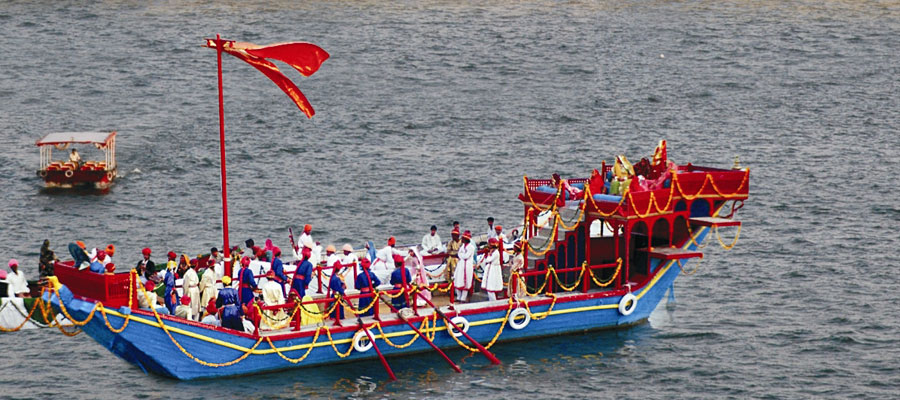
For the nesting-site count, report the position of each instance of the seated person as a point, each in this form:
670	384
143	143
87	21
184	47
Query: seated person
75	158
211	317
184	309
573	192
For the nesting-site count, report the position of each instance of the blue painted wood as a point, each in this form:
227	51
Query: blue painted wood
151	349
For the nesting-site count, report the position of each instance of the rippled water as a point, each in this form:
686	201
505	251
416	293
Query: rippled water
429	112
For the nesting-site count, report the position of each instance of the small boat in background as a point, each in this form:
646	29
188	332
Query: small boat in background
72	171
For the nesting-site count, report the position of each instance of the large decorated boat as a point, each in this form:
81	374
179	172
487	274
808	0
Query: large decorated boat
594	253
573	280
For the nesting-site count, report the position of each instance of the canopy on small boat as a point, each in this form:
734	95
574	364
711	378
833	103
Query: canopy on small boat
57	138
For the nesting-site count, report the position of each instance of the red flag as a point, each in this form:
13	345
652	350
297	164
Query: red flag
306	58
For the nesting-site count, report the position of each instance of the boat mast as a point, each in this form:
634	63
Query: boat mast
219	45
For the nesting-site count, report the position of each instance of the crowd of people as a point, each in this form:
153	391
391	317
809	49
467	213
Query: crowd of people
197	288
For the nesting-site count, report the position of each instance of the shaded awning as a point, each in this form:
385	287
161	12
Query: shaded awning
76	137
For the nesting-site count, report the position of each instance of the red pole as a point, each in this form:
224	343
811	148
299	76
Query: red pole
219	45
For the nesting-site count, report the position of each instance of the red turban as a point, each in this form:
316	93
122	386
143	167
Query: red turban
172	255
398	258
307	228
186	300
391	241
245	261
146	251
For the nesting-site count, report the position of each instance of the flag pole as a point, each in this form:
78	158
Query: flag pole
219	45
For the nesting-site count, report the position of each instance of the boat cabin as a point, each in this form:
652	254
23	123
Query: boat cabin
96	168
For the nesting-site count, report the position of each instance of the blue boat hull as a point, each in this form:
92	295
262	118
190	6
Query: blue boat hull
192	351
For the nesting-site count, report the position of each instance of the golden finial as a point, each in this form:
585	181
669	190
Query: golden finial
737	163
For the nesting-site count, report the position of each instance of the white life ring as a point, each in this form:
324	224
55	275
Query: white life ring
109	175
69	173
43	173
361	341
458	322
627	304
514	317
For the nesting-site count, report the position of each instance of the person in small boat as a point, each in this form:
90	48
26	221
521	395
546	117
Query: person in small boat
191	288
183	310
349	260
110	269
420	275
273	295
246	283
452	254
208	283
145	268
517	267
48	257
75	157
17	285
463	276
278	268
366	282
431	243
229	304
336	288
384	259
401	279
492	280
170	295
303	274
211	316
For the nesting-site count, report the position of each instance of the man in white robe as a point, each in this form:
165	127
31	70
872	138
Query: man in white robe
208	285
431	243
190	285
465	268
349	260
273	296
384	260
17	285
492	280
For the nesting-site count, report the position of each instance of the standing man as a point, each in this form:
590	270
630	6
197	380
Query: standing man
349	261
366	282
229	304
145	268
170	296
385	259
191	287
401	279
17	284
452	255
463	276
491	233
247	284
208	283
492	280
278	269
431	243
336	286
302	275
